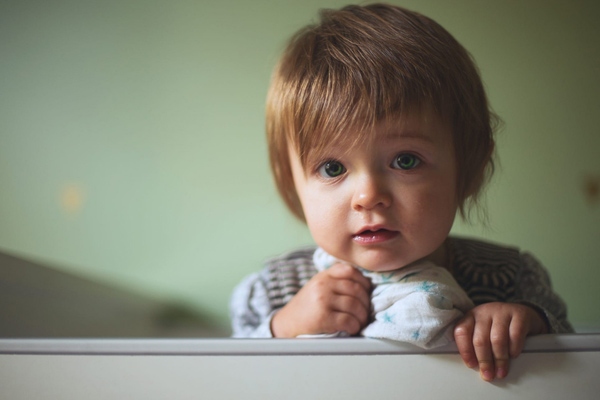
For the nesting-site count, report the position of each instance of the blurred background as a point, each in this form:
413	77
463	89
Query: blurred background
134	178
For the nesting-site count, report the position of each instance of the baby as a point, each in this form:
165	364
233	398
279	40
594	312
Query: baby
379	133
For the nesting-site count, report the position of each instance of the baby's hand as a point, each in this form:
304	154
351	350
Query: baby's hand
336	299
491	334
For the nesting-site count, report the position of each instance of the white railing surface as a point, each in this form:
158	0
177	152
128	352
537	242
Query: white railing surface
551	367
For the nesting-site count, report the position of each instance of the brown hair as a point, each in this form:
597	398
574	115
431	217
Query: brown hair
362	65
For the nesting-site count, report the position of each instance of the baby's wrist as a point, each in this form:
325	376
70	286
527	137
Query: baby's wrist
279	327
543	326
539	322
276	330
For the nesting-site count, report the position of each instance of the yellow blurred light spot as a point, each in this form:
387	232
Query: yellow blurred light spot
72	198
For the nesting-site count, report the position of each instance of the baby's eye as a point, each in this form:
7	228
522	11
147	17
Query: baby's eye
331	169
406	161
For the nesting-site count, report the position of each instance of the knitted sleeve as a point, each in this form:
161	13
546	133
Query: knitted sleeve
250	310
256	299
535	289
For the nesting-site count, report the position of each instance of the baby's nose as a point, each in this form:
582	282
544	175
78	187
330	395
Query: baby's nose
371	192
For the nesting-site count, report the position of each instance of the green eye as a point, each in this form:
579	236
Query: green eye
406	161
332	169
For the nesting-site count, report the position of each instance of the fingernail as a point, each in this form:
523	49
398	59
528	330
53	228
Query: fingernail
501	373
487	375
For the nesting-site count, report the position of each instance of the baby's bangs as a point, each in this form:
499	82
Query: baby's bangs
341	82
338	114
341	109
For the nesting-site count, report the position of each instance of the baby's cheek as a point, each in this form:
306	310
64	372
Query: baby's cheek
319	215
320	228
326	231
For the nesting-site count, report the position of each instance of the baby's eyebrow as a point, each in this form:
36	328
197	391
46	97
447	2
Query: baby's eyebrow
402	134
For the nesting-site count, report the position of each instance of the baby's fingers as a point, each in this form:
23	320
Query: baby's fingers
354	307
463	335
344	322
347	272
519	328
499	338
473	342
346	287
483	349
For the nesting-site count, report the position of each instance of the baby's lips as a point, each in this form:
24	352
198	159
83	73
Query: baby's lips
372	237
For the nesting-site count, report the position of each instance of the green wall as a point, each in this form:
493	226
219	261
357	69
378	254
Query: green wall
132	149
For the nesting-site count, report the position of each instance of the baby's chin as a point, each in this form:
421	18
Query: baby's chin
381	265
381	260
372	261
382	268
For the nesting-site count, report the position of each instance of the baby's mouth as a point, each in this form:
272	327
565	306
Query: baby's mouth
374	236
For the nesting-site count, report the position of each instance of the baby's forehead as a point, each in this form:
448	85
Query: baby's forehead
420	125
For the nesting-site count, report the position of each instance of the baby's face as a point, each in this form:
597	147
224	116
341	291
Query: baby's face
384	205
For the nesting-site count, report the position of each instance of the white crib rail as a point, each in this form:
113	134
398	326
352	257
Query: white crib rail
551	367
